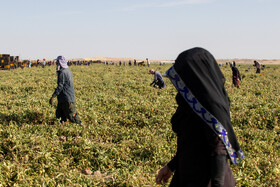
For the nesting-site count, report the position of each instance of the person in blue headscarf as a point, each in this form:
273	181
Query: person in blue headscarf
65	93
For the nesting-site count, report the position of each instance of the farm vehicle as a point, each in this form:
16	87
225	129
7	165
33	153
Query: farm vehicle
9	62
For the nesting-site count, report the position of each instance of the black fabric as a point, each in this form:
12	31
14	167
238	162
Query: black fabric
192	160
235	72
173	163
218	169
202	75
258	66
198	147
67	111
201	157
235	76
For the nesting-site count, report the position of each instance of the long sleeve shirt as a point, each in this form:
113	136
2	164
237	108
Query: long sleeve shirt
65	88
158	78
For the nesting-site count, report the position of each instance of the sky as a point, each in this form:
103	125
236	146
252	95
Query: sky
154	29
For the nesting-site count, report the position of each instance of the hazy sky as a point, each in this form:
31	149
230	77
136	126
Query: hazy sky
154	29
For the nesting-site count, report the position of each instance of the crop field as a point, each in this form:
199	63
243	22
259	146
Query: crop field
127	135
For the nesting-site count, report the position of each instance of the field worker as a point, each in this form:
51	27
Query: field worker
37	63
158	80
205	137
236	78
148	62
44	63
258	66
65	93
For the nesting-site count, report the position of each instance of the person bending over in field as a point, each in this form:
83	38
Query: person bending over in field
158	80
65	93
258	66
205	137
236	78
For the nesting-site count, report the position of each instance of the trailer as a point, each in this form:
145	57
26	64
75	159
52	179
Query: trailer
1	61
5	61
141	63
14	62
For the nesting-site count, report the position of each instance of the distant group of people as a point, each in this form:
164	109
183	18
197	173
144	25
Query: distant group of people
205	137
135	63
159	81
236	78
44	62
39	63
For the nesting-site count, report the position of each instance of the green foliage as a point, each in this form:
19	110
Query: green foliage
127	134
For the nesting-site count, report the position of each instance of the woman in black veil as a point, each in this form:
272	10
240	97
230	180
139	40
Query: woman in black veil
205	137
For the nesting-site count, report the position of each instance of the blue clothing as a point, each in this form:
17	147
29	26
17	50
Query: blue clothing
65	88
159	80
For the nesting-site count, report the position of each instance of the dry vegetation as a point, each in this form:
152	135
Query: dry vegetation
127	135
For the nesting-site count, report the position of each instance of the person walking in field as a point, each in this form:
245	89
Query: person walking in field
236	78
205	137
65	93
158	79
